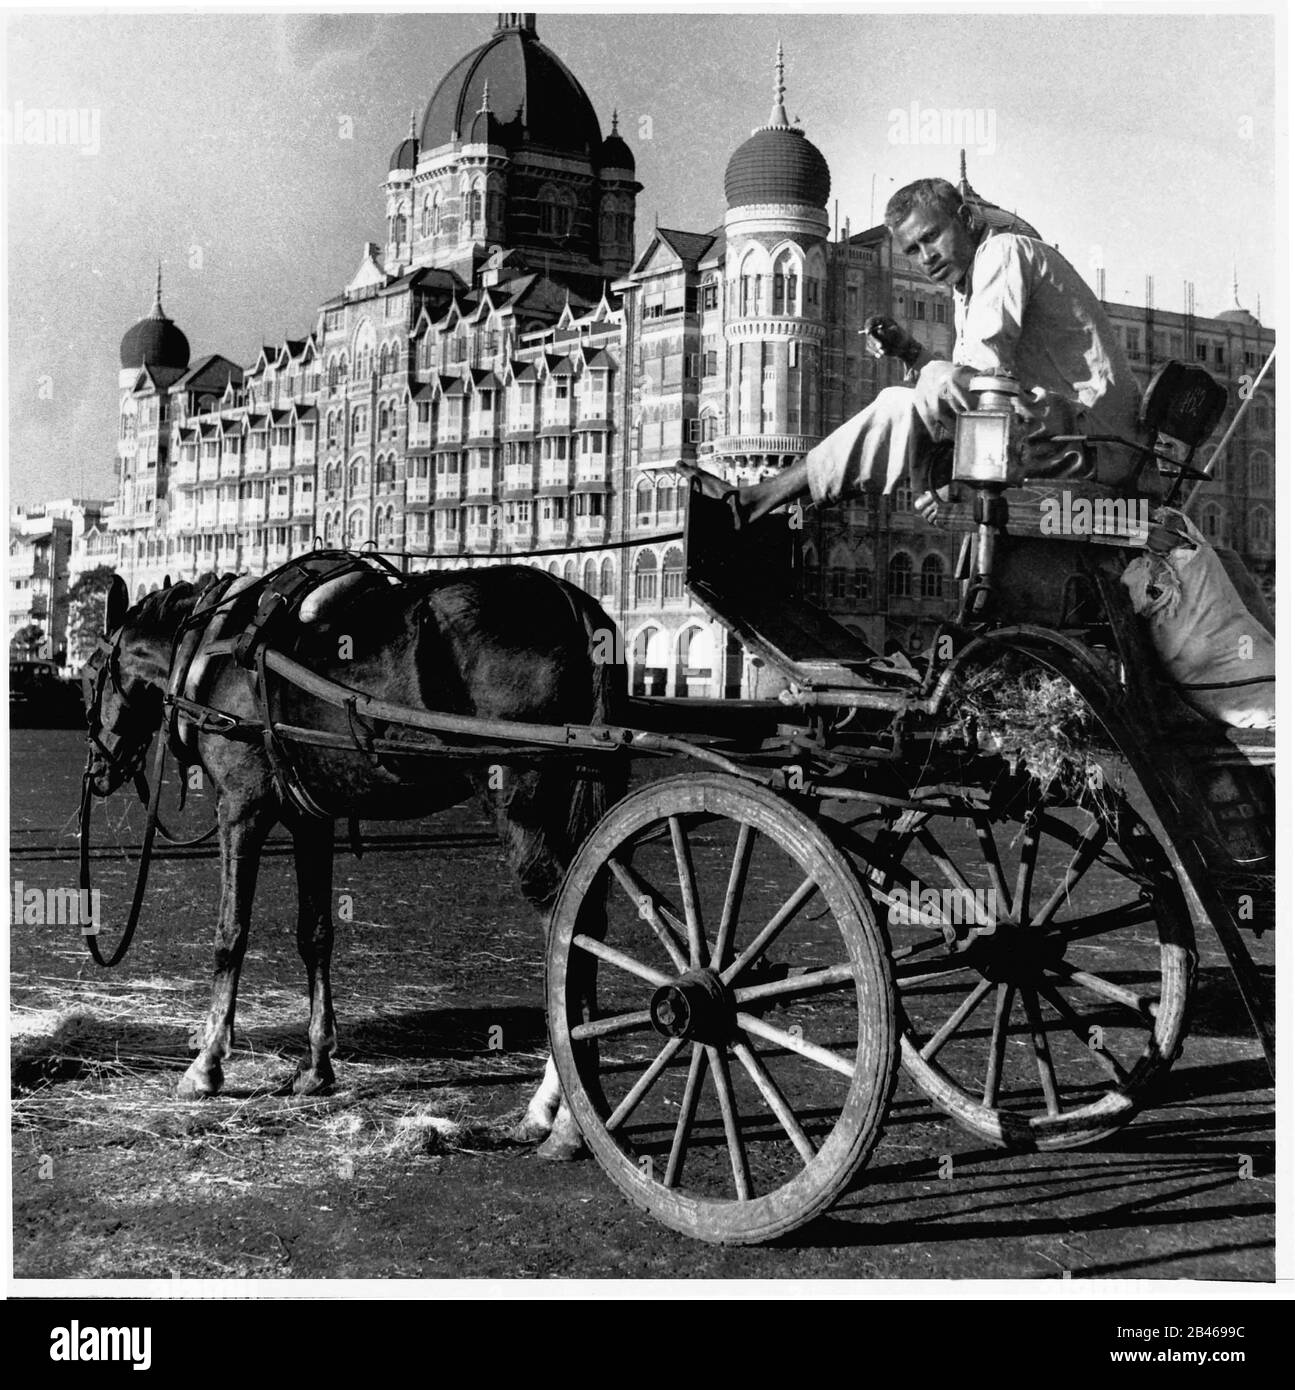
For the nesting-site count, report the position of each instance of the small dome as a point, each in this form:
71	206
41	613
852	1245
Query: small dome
405	157
155	341
406	153
777	164
996	218
615	153
1239	315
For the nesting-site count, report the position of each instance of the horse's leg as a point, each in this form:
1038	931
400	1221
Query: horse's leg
313	853
243	829
538	845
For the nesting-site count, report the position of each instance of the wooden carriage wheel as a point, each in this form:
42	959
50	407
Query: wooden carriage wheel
720	1008
1066	1000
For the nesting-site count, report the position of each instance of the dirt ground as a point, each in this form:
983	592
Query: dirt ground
407	1171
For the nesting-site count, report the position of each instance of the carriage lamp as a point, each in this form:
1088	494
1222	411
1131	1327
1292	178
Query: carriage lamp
987	456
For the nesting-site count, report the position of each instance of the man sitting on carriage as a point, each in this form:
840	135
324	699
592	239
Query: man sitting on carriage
1020	308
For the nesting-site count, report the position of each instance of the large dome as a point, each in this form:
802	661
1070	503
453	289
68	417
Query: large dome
777	165
155	341
531	92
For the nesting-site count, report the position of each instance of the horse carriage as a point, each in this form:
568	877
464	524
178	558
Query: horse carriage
988	865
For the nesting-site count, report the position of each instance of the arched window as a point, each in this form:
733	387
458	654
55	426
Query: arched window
1261	470
606	579
643	502
1211	523
899	576
355	530
784	284
359	474
933	577
475	210
901	500
589	582
672	590
569	572
1261	528
667	496
399	228
812	575
645	577
425	223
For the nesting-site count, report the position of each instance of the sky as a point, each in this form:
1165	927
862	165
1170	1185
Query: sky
247	153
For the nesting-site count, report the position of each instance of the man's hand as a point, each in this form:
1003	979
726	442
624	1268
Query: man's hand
883	337
942	389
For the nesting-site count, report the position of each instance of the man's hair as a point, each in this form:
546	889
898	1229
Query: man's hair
925	193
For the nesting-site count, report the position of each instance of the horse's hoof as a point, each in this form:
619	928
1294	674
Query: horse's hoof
313	1083
559	1149
529	1130
197	1085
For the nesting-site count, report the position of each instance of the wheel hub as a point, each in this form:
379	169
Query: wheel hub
697	1006
1015	955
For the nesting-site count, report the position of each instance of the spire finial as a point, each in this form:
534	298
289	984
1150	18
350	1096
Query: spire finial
413	123
778	116
615	122
158	312
485	98
1236	289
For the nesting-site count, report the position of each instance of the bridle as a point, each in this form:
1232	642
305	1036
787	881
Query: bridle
125	762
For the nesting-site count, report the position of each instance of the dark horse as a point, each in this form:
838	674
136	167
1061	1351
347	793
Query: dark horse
498	643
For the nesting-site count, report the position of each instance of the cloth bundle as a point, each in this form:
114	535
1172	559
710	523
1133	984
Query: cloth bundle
1219	654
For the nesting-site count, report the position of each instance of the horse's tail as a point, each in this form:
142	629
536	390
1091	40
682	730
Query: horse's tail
605	779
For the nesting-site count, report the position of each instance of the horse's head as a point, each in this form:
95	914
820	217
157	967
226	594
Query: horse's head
125	680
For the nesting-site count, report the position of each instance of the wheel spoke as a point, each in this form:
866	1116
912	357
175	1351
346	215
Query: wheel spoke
728	1109
950	870
687	1113
1042	1052
998	1043
1114	919
776	1102
618	958
989	849
1089	847
687	891
614	1023
770	930
920	972
640	1088
830	977
645	899
955	1020
1145	1008
733	895
1025	869
1101	1053
793	1043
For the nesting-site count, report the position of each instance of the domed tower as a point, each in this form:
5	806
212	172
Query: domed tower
510	152
154	341
618	190
776	188
400	200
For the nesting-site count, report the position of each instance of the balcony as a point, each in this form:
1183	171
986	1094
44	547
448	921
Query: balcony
447	543
519	477
417	489
280	508
449	431
255	461
595	411
554	530
186	473
229	513
481	482
449	487
481	537
231	463
208	515
281	456
520	533
303	505
594	470
483	425
592	528
555	474
209	468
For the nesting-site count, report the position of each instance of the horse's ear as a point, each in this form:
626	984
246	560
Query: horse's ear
116	604
166	581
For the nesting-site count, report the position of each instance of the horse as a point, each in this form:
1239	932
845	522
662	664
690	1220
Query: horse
500	643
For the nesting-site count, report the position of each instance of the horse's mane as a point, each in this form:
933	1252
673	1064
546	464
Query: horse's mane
162	611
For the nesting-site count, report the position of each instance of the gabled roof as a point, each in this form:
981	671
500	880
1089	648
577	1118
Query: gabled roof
211	373
484	378
690	247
